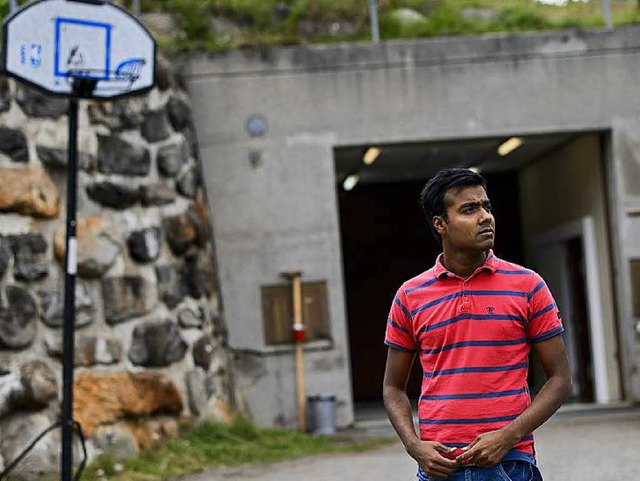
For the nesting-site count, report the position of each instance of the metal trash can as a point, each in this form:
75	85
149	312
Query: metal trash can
322	413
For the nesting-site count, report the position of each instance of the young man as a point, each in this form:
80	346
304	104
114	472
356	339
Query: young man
472	318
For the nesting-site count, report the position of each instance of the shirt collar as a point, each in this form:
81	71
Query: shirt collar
490	265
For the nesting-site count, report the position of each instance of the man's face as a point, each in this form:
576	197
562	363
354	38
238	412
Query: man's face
469	226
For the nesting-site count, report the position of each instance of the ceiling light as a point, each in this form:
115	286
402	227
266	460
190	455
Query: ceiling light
371	155
350	182
475	169
510	145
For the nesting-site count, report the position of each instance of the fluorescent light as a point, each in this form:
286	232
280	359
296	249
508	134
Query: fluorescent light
510	145
371	155
475	169
350	182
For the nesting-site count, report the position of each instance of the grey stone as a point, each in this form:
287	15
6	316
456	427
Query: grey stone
155	127
407	16
29	251
156	194
116	441
190	316
52	307
89	351
172	157
161	23
126	297
157	344
117	156
482	14
197	278
13	143
18	318
121	114
116	196
196	392
183	232
18	430
188	183
170	287
5	94
40	386
11	392
203	350
144	245
179	112
37	104
5	256
58	158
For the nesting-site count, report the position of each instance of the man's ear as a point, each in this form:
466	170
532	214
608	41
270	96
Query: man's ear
440	224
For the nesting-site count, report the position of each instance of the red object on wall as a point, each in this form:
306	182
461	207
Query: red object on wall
299	333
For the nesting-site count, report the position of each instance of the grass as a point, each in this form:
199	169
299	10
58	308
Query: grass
216	445
285	22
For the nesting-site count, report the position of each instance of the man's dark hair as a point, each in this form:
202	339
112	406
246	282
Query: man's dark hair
432	196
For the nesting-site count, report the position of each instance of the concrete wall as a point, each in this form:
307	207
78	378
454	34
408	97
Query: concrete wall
562	188
282	214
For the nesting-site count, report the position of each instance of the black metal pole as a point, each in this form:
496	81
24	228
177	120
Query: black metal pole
70	263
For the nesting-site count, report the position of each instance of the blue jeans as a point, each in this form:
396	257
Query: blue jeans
505	471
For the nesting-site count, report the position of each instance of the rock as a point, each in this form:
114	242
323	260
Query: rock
161	23
179	112
190	316
156	126
97	249
29	251
11	392
118	115
188	183
407	17
311	29
103	398
5	255
172	157
126	297
482	14
170	287
18	430
40	385
52	307
28	191
197	278
117	442
225	27
157	344
183	232
196	392
144	245
17	318
38	104
13	143
58	158
156	194
203	352
89	351
116	196
117	156
5	94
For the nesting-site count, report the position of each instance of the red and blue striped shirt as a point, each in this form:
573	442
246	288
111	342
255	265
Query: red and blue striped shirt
474	338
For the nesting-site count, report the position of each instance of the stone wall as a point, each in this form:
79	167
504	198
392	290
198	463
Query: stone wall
150	340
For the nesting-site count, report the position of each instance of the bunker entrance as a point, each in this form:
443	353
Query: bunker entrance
545	190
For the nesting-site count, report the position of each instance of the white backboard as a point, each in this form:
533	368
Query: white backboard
49	42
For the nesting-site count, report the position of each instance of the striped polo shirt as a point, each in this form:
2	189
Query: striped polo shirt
474	338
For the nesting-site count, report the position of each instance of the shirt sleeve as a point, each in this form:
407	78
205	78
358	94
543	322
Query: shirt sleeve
544	320
399	334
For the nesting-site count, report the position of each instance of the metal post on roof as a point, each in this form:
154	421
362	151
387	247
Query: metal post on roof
375	27
606	7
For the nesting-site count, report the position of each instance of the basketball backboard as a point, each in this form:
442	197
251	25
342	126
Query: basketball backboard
48	43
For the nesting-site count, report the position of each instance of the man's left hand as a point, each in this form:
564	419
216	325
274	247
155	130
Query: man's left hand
487	449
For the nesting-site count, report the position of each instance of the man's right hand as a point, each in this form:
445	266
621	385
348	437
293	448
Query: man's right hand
428	454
